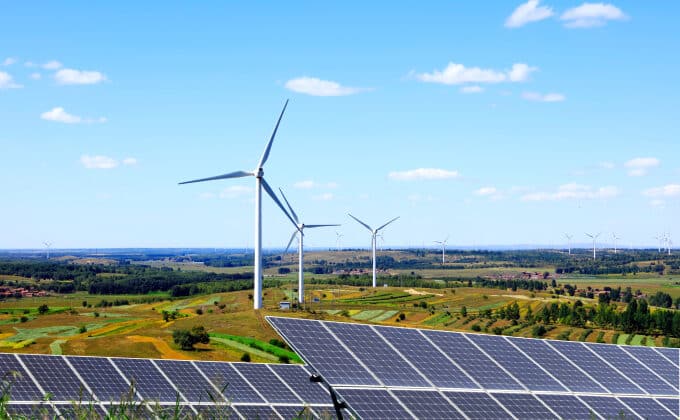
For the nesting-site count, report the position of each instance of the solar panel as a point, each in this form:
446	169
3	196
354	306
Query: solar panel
656	362
216	412
634	370
294	412
298	378
521	367
567	406
103	378
323	351
427	404
15	379
671	354
648	408
261	412
147	380
82	410
374	404
524	406
234	388
477	405
380	359
56	377
426	358
31	410
190	382
264	380
483	369
596	367
671	404
608	407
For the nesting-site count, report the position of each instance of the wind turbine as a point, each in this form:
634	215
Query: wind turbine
260	183
614	238
660	238
594	237
669	243
338	236
568	236
443	244
48	244
374	233
299	232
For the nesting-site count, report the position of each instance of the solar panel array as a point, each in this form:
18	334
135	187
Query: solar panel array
151	388
390	372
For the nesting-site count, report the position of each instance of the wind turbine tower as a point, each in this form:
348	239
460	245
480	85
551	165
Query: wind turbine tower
260	183
614	239
568	236
48	245
443	244
594	238
299	232
338	236
374	233
661	239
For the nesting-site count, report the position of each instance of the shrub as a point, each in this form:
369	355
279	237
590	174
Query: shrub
476	327
463	311
538	330
186	339
402	316
199	311
43	309
82	329
284	359
245	357
615	338
23	319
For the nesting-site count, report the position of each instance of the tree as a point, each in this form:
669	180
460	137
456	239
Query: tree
463	311
43	309
186	339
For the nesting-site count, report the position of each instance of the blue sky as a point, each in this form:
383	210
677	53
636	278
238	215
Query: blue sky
494	123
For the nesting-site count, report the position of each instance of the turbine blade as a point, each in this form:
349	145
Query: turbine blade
289	207
364	224
265	155
291	239
237	174
318	226
387	223
278	203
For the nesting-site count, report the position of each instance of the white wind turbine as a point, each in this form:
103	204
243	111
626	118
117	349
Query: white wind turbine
48	245
300	233
260	183
568	236
443	244
669	242
338	236
614	239
660	238
594	238
374	233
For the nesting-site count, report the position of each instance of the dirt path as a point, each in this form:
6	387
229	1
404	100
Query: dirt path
160	345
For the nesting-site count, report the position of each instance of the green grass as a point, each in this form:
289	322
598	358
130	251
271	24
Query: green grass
437	319
259	345
367	315
622	338
385	316
55	347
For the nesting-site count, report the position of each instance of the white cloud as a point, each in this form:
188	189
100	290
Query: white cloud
670	190
78	77
129	161
98	162
423	173
589	15
6	81
573	192
52	65
606	165
58	114
528	12
540	97
317	87
36	76
472	89
455	74
29	64
9	61
324	197
641	165
485	191
235	191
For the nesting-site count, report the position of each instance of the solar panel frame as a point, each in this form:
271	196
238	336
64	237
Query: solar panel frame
524	406
297	377
102	378
147	380
673	404
371	403
648	408
478	405
261	378
189	380
262	412
608	407
234	388
671	354
23	388
567	406
656	362
427	404
56	377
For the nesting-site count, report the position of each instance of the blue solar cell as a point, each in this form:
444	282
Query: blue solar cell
671	354
56	377
294	411
524	406
373	404
323	351
430	361
477	405
522	368
103	379
598	369
473	361
673	404
298	378
634	371
567	406
147	380
427	404
557	365
264	380
655	361
189	381
648	408
36	410
233	386
608	407
380	359
260	412
21	386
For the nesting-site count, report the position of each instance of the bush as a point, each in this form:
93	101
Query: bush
402	316
199	311
23	319
615	338
538	330
463	311
245	357
476	327
186	339
43	309
600	337
284	359
497	330
82	329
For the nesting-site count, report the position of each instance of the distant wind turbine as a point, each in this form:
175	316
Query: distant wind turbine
614	239
443	244
299	232
594	238
260	183
338	236
661	239
568	236
48	245
374	233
